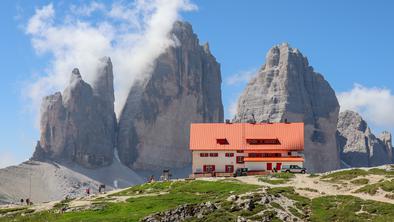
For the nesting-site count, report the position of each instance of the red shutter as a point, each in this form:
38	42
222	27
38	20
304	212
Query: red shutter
269	166
204	168
278	166
213	168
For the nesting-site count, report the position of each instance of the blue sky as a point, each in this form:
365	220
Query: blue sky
348	42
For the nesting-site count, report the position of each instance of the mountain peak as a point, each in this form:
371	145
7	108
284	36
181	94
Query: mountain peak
75	76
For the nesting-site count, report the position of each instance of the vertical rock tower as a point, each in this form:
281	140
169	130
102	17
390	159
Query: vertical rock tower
359	147
79	126
287	88
184	87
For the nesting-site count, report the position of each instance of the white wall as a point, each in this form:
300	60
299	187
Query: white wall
263	165
220	162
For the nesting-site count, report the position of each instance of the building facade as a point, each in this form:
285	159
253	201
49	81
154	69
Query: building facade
225	147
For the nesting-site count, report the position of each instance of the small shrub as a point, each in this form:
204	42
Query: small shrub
309	189
361	181
390	196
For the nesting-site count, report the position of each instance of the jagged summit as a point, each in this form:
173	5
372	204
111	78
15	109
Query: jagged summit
78	126
287	88
184	87
359	147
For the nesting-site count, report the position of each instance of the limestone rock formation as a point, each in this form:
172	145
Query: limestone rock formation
287	88
79	125
359	147
386	138
184	87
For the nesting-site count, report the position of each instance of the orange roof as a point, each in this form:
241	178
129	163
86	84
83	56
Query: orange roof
274	159
203	136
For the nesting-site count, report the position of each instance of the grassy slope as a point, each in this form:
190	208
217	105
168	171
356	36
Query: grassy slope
136	208
173	194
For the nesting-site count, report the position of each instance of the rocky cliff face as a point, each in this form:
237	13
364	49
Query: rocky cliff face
184	87
358	146
286	87
79	126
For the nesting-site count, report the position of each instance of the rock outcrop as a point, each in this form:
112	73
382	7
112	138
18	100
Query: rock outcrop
184	87
79	125
287	88
359	147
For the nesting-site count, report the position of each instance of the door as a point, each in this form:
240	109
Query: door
229	168
278	166
209	168
269	166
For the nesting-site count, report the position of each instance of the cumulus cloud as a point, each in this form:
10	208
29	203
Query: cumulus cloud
241	77
133	34
376	105
87	9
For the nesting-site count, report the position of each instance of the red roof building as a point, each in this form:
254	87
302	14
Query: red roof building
225	147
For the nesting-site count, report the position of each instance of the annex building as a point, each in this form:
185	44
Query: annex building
219	148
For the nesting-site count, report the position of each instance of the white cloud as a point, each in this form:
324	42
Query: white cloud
376	105
7	159
132	34
41	19
241	77
87	9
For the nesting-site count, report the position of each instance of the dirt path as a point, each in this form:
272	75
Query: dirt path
313	187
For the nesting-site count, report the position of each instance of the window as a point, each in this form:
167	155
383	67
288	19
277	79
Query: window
213	154
240	151
240	159
203	154
289	153
264	155
222	141
209	168
229	154
229	168
263	141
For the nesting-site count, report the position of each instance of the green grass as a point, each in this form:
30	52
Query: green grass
286	176
134	209
347	175
387	185
147	188
276	205
377	171
361	181
348	208
273	182
309	189
344	175
9	210
277	178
